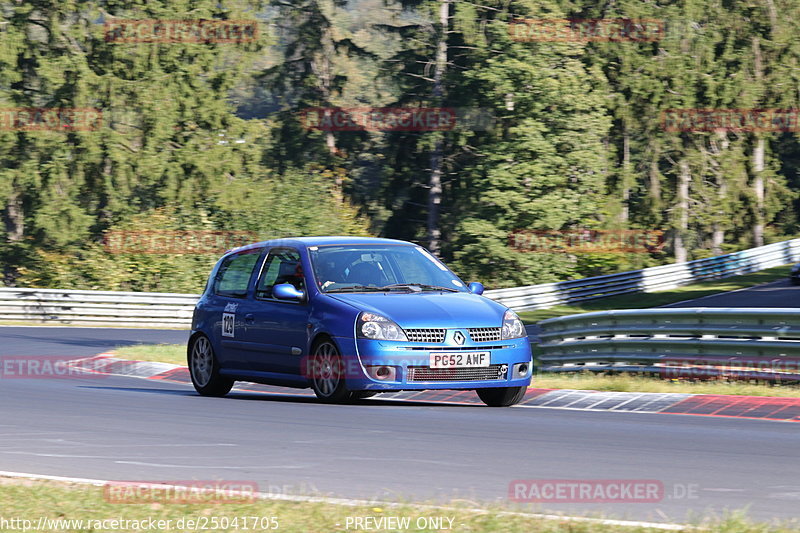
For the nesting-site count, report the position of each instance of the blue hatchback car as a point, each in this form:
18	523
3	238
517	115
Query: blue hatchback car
351	317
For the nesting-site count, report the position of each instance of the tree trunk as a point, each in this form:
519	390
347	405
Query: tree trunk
758	158
758	190
717	239
718	231
682	207
325	73
655	186
624	214
435	180
773	16
14	218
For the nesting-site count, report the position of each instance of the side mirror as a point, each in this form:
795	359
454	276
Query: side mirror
286	291
476	287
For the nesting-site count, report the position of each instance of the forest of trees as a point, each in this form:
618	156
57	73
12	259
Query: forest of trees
211	136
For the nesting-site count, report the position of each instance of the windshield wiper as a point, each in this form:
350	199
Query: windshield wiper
356	288
423	286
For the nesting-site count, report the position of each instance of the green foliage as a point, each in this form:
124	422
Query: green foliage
207	136
170	154
298	203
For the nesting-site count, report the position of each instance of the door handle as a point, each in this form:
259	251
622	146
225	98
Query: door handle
249	319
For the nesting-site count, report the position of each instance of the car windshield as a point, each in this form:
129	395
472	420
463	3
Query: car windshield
378	268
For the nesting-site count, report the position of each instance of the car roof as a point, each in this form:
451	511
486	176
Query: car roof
304	242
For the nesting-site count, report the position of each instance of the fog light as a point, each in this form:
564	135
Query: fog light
521	370
382	373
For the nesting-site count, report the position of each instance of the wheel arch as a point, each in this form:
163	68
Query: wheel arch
192	338
318	337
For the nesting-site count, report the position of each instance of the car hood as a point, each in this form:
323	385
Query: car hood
430	309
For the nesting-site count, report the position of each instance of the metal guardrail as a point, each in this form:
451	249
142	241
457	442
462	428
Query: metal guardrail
152	309
649	279
752	343
78	307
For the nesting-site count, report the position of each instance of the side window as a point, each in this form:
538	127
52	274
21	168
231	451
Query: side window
282	266
234	274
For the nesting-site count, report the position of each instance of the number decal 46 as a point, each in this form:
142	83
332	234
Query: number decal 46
228	320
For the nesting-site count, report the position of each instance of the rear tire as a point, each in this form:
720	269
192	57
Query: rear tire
204	369
501	396
328	376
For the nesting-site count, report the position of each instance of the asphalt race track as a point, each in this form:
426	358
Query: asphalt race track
80	341
119	428
779	293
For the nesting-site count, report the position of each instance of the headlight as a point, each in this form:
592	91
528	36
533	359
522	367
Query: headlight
512	326
375	326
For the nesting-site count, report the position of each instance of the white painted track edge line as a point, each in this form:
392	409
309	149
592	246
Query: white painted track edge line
44	477
365	503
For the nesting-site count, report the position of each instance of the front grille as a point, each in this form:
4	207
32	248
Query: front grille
425	335
484	373
484	334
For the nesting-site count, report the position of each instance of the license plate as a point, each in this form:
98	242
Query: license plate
460	360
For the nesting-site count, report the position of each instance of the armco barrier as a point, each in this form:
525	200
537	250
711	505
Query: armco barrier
54	306
152	309
649	279
751	343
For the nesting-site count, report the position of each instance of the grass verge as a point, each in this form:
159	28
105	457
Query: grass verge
161	353
34	500
640	300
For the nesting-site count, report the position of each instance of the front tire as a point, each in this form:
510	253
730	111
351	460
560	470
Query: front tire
328	378
204	369
501	396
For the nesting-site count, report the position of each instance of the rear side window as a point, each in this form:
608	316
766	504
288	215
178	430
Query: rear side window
234	274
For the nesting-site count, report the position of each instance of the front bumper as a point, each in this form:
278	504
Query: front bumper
411	360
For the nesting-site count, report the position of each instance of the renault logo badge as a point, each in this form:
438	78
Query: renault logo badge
458	337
